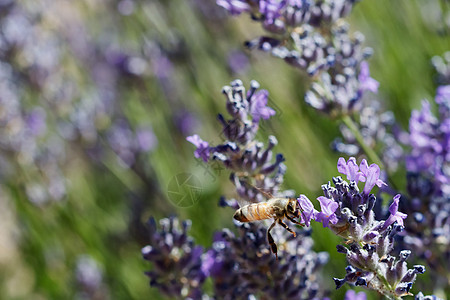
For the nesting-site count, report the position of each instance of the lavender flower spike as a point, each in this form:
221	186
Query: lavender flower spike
351	169
327	207
254	167
177	261
350	214
203	149
372	174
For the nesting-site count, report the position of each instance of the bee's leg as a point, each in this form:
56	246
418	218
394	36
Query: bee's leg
293	221
285	226
272	244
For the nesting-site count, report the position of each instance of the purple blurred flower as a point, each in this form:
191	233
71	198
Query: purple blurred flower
146	139
208	262
35	121
203	149
186	122
88	271
238	61
428	184
162	67
234	7
351	169
327	207
352	295
430	141
372	174
308	211
366	83
421	126
395	216
259	108
443	95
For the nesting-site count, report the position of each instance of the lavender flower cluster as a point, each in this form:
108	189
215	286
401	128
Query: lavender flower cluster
312	36
28	57
350	214
239	265
254	171
428	185
177	261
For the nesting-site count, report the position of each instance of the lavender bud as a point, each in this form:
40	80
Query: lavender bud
338	282
341	249
370	236
404	254
361	282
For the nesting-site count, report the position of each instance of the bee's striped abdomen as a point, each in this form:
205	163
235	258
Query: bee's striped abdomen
254	212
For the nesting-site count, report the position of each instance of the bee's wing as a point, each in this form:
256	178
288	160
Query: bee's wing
242	202
249	193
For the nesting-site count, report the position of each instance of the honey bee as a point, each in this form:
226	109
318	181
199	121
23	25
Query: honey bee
276	208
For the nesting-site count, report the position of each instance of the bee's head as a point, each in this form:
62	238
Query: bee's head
292	206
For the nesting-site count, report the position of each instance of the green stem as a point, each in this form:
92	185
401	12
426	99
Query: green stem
373	157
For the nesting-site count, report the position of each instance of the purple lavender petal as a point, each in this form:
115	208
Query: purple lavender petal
372	174
350	169
367	83
308	211
395	216
259	108
203	149
326	215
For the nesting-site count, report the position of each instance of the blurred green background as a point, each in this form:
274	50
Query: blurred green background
178	55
